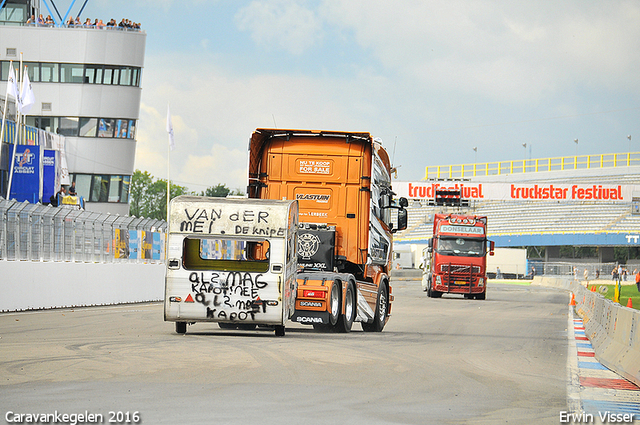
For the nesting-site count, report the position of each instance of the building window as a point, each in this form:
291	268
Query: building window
106	127
71	73
88	127
50	72
102	188
68	126
76	73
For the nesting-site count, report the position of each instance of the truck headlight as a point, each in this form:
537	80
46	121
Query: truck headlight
481	281
438	280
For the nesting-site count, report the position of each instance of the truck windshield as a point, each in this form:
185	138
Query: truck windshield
226	254
460	246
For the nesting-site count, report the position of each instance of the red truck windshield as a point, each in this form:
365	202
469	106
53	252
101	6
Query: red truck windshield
465	247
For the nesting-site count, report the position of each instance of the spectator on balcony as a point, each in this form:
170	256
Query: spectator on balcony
32	19
49	21
71	22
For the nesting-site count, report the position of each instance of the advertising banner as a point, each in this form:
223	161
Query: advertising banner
134	244
157	246
25	185
121	244
520	191
49	174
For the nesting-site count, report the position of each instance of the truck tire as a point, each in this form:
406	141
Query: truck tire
181	327
279	330
345	321
334	303
432	293
382	307
482	296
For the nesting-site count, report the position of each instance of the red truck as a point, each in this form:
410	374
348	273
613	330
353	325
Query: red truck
456	257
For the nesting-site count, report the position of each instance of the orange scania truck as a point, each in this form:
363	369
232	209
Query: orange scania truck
347	217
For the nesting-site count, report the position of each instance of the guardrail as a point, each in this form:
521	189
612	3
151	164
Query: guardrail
614	330
36	232
565	163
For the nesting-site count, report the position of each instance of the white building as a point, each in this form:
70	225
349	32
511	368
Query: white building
86	82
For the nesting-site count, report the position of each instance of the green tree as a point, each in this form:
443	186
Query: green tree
148	197
220	191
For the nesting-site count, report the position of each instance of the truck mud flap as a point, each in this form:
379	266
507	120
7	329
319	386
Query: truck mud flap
364	313
310	317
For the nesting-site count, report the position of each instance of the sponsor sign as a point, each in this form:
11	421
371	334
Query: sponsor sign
49	175
520	191
25	184
314	166
466	230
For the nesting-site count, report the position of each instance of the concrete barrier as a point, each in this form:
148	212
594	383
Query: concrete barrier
30	285
614	330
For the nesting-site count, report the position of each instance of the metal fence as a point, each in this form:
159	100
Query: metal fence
576	269
39	232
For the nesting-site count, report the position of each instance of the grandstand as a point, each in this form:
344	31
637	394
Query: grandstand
605	223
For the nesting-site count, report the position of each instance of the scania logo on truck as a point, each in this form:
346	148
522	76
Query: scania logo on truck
312	197
310	304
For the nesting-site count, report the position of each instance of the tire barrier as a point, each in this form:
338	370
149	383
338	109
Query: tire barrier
614	330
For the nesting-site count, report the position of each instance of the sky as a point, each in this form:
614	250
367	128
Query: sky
440	82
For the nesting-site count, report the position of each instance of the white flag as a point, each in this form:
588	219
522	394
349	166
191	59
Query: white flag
12	85
172	144
28	99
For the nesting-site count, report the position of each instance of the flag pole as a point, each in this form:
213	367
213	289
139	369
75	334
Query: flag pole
4	112
15	140
170	146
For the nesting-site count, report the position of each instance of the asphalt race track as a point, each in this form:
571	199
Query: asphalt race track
438	361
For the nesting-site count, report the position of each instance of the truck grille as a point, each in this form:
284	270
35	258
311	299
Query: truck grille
459	269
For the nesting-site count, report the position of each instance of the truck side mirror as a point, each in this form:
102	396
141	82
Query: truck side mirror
402	220
492	246
403	202
430	244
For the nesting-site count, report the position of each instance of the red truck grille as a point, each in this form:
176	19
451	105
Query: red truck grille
459	269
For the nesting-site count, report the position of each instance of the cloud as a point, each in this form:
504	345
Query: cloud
282	24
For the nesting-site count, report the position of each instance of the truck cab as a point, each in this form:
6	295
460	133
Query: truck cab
456	256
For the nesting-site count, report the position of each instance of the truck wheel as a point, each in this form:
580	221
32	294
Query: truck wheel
181	327
429	291
345	321
334	303
380	317
481	296
280	330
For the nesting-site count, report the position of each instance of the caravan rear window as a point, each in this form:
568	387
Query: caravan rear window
225	254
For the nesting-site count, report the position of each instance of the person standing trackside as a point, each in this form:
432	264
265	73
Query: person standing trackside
638	280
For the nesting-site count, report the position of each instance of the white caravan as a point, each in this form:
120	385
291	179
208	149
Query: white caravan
231	261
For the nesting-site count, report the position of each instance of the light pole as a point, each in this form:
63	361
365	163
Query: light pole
629	137
576	140
475	157
524	161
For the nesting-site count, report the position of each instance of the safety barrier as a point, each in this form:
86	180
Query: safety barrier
39	232
614	330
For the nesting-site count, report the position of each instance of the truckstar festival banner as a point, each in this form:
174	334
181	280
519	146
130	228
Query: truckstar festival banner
520	191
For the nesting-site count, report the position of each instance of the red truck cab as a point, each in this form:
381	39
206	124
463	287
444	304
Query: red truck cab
457	256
